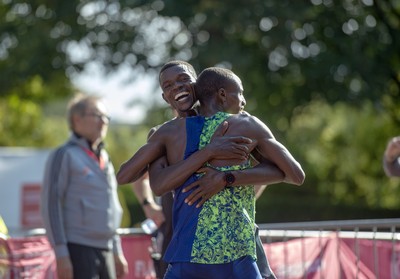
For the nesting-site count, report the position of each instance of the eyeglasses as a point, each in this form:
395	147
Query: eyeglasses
103	117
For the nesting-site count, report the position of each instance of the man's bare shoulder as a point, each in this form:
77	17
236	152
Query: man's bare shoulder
242	118
171	125
167	128
247	125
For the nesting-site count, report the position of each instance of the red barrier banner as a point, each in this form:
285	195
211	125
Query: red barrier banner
311	258
30	206
30	257
334	257
33	258
136	251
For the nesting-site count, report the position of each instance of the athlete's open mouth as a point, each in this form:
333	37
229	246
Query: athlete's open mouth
181	96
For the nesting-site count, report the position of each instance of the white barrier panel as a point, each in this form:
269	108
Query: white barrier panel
21	172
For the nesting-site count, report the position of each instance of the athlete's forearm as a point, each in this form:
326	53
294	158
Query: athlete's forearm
214	181
281	157
137	165
262	174
164	178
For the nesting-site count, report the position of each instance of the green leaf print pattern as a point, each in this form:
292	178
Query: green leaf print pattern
225	230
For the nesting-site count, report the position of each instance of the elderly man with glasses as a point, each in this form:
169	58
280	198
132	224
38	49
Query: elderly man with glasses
80	205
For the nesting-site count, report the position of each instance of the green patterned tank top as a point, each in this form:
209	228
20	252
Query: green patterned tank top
225	229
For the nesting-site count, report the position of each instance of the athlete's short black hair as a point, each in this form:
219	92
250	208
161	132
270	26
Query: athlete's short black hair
211	80
178	63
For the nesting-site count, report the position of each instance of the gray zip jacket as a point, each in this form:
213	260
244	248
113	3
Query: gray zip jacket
79	199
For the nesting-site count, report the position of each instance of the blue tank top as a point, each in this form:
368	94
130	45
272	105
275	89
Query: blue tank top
220	231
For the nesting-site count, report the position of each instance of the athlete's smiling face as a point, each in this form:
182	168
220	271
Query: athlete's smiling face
176	83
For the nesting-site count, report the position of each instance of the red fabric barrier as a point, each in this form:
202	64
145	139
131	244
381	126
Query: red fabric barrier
136	251
333	257
33	257
27	258
325	257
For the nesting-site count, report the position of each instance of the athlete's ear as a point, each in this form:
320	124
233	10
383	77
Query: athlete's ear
222	93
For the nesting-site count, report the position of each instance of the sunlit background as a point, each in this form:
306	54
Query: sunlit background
323	75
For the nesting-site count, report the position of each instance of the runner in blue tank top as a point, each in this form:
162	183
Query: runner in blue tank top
217	239
197	251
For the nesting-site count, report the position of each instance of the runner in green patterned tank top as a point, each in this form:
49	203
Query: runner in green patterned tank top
224	93
225	230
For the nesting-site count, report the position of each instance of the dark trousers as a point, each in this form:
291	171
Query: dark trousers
91	263
165	231
262	261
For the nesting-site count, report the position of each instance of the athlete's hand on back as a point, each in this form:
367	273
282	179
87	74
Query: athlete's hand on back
210	183
229	147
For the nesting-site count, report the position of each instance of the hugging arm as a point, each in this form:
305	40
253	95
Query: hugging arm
165	178
277	153
277	164
137	165
281	157
213	181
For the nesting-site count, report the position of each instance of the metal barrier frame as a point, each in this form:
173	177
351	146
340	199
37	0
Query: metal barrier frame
372	229
379	229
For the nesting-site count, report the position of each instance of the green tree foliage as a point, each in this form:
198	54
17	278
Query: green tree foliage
324	75
30	53
294	51
342	152
56	40
289	52
340	148
24	124
313	63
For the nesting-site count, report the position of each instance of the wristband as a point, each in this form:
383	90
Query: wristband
229	179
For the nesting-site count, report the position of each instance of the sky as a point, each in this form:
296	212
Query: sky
125	100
